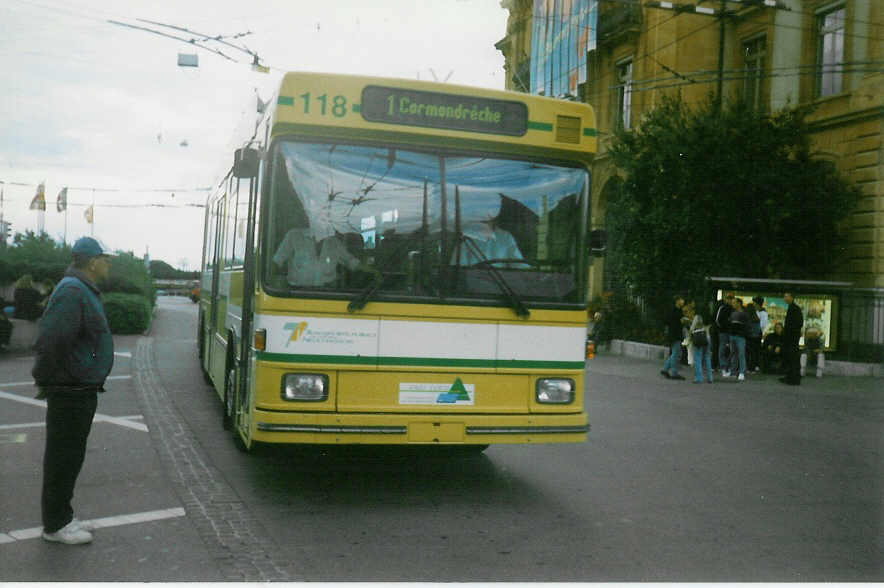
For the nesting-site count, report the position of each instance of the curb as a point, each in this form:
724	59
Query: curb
239	545
650	351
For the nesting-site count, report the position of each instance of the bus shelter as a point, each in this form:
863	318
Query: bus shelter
850	319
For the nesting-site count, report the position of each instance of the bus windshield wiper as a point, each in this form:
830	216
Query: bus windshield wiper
510	294
362	298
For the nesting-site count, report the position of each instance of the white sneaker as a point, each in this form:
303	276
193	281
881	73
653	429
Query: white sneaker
741	378
70	534
725	374
85	525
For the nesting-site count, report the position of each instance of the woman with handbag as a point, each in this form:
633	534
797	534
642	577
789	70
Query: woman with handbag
699	334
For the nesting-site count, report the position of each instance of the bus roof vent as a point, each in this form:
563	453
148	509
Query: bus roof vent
567	129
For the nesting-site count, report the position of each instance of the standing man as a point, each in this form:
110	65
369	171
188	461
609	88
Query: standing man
672	337
75	354
739	324
721	317
791	335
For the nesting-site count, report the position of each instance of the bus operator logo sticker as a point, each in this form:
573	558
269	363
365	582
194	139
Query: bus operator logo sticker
457	393
297	329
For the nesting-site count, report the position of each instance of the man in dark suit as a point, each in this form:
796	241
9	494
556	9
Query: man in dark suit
791	335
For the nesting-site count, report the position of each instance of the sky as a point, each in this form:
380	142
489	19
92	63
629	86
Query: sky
105	109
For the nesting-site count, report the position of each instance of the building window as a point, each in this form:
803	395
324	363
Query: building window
830	50
624	93
754	52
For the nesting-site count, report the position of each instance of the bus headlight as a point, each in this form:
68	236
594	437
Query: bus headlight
305	387
554	391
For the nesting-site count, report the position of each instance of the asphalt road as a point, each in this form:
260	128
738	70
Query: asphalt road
678	482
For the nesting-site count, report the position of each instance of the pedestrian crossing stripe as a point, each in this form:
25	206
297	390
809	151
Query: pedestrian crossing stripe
102	523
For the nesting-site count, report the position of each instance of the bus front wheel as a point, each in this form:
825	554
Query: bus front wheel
229	394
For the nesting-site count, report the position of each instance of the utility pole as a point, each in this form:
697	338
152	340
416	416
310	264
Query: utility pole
720	14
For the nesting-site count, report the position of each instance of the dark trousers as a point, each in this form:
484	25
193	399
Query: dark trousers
792	361
753	352
68	422
771	362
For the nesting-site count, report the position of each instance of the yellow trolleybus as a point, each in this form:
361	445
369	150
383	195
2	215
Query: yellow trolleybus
401	262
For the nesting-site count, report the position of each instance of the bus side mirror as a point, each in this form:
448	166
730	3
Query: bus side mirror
245	163
598	242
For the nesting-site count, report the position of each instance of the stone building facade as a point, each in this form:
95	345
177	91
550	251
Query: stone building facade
826	52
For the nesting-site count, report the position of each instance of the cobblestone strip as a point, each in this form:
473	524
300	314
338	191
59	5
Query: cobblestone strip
234	537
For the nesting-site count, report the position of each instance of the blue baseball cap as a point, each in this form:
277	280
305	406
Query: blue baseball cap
89	247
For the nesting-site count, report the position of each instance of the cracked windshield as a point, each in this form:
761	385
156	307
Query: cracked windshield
393	223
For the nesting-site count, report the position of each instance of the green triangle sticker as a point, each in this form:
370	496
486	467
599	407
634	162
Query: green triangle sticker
458	388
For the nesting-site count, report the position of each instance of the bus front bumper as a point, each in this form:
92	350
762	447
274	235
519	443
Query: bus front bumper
393	429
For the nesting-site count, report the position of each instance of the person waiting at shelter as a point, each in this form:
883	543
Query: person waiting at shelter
721	317
772	351
738	327
813	351
672	334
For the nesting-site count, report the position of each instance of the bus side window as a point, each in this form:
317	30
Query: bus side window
242	215
230	221
209	239
211	249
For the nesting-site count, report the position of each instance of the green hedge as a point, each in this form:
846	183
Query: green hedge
129	276
127	314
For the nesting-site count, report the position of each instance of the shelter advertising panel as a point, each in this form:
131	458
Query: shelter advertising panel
820	313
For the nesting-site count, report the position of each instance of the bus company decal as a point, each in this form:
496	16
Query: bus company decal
319	336
458	393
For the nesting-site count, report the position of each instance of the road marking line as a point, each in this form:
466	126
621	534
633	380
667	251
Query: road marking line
32	383
23	426
23	399
124	354
102	523
134	417
102	418
13	437
99	418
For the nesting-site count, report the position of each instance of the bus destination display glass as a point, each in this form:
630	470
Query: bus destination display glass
443	111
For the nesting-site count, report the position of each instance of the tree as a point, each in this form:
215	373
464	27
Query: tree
37	255
129	276
160	270
727	193
46	261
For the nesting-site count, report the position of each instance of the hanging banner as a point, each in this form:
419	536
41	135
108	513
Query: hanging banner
39	201
62	203
87	214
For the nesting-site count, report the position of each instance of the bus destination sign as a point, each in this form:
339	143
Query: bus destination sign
444	111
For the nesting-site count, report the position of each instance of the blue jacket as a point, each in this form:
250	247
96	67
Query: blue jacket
74	345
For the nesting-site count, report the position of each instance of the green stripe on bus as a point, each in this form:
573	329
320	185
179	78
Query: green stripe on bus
436	362
286	100
539	126
301	358
420	361
491	363
590	132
